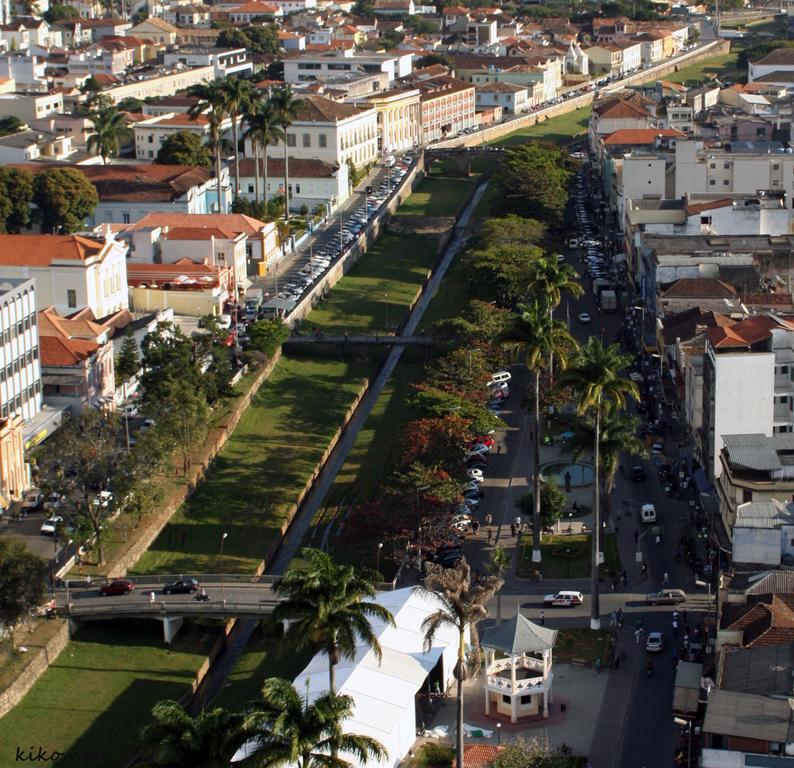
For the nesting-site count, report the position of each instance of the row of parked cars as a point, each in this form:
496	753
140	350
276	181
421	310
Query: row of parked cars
320	259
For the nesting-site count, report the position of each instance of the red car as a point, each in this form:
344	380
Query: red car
485	440
117	587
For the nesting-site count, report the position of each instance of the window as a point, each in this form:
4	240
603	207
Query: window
783	369
726	182
290	139
705	220
505	699
71	298
307	140
250	189
526	700
125	218
323	139
712	182
297	189
726	166
151	139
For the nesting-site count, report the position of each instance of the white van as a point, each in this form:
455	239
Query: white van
499	377
648	513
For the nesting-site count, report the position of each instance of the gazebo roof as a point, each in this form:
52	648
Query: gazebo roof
519	635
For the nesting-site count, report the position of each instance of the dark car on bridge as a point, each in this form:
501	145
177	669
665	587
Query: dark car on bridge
117	587
181	587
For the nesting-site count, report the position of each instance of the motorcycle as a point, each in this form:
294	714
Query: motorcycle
202	597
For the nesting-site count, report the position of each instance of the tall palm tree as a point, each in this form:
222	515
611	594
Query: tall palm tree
618	435
284	729
110	131
287	106
594	376
212	105
177	740
497	566
463	600
238	94
536	337
549	279
325	606
263	129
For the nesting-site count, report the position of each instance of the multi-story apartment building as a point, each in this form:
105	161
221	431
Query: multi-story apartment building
399	119
72	272
313	66
20	369
152	132
448	107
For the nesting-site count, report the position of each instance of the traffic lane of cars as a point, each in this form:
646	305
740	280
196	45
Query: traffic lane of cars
107	593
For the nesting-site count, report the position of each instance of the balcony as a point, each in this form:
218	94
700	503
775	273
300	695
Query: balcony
528	673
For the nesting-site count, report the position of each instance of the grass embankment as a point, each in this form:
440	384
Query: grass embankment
91	703
560	130
584	644
707	69
437	197
566	557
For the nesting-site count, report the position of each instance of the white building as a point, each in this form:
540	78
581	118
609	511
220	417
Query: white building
774	63
150	133
330	131
20	370
513	99
71	271
225	61
576	60
385	692
763	533
312	66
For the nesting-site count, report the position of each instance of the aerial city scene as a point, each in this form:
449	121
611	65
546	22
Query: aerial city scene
395	385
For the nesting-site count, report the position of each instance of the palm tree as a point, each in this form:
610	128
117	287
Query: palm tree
287	107
549	279
238	94
284	729
211	104
498	564
535	336
325	606
618	435
463	599
109	132
594	376
176	740
263	129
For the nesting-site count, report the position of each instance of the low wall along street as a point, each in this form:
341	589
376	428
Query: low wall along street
715	48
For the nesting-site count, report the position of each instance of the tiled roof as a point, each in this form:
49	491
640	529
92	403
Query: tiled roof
688	324
637	136
153	21
501	88
766	622
42	250
56	351
200	233
479	755
619	108
298	168
778	56
768	299
255	7
710	205
318	109
233	222
776	77
699	288
182	118
745	333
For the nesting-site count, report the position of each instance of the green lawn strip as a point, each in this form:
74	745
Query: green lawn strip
436	197
566	557
724	65
94	699
378	290
258	475
586	644
34	639
559	130
265	656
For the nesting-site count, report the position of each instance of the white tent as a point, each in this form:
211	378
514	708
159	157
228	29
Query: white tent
383	693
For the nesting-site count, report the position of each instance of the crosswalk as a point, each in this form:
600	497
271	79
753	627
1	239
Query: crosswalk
698	602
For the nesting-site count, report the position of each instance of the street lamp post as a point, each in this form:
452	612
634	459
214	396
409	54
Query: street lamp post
223	591
498	734
385	312
377	566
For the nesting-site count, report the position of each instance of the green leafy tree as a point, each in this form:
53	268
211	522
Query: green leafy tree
168	357
434	58
130	104
22	576
463	600
535	337
463	371
263	128
128	362
177	740
501	272
212	105
533	181
60	12
287	108
238	96
266	336
523	752
184	148
9	125
182	415
498	563
595	378
325	605
438	403
482	323
512	230
65	198
86	454
286	729
16	196
110	131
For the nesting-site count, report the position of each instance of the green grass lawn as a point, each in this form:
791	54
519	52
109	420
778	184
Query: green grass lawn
92	702
587	644
436	197
566	557
259	473
376	292
707	69
559	130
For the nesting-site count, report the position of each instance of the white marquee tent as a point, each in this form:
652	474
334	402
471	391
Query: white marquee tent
383	693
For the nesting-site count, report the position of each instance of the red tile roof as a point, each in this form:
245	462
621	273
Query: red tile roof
56	351
637	136
699	288
708	206
201	233
745	333
42	250
479	755
233	222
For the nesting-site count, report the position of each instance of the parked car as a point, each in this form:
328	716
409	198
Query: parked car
564	599
583	317
50	526
117	587
655	642
32	501
475	474
181	587
666	597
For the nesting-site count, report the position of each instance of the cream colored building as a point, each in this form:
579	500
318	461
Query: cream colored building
14	471
155	29
399	115
71	271
164	85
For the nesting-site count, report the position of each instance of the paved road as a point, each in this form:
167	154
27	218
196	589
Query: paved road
29	530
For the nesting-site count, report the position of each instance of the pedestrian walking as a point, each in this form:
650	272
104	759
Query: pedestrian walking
684	616
637	636
475	526
518	523
675	628
151	597
542	619
666	580
675	616
625	578
488	519
512	529
613	619
620	618
490	535
499	446
636	536
644	569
